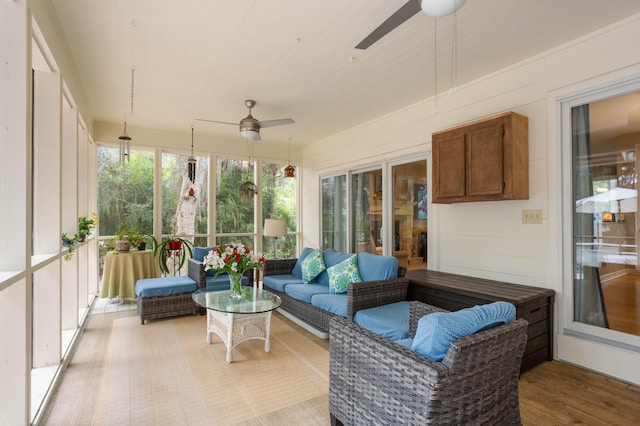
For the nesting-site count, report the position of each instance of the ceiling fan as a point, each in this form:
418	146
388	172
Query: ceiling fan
435	8
250	126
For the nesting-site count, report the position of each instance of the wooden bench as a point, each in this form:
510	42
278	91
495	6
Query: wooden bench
454	292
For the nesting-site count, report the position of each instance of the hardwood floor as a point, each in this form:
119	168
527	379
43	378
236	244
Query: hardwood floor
622	302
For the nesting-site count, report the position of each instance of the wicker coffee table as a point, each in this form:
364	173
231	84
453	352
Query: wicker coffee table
237	320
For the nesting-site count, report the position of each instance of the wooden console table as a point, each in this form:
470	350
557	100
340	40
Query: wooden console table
454	292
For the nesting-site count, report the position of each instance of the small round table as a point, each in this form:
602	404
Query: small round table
237	320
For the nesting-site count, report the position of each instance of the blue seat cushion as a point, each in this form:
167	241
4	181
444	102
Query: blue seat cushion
436	330
390	321
279	282
150	287
334	303
297	268
221	282
305	292
373	267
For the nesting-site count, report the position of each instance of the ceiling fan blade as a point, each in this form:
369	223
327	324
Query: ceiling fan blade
272	123
400	16
214	121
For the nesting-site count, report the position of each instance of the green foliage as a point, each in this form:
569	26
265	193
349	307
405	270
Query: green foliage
125	193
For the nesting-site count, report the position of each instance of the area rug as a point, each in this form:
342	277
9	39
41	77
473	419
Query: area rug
164	372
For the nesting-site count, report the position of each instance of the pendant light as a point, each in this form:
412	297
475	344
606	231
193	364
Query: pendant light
290	171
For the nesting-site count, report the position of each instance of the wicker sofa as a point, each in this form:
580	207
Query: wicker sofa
374	380
360	295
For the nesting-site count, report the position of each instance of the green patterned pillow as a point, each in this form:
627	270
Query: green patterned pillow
312	266
342	274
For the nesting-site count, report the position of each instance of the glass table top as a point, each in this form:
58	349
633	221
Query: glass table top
253	301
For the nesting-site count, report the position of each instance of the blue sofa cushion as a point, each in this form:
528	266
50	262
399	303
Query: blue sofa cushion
297	268
279	282
305	292
312	266
342	274
331	258
407	343
334	303
221	282
373	267
200	252
436	330
390	321
150	287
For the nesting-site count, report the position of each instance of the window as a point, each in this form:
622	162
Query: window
605	143
185	203
279	200
334	213
235	208
384	217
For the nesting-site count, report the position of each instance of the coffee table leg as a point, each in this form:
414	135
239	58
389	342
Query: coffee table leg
229	342
267	326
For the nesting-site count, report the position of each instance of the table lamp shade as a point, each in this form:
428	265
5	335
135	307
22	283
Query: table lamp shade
275	228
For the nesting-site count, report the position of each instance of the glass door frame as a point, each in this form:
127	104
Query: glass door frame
564	105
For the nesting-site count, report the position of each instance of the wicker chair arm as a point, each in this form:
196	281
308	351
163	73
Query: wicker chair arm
195	271
370	294
416	311
279	266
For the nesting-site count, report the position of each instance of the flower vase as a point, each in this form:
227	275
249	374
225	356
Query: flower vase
235	288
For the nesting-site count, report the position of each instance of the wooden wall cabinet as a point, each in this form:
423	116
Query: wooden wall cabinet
486	160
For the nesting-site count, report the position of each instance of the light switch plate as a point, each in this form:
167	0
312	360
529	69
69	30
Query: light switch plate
532	216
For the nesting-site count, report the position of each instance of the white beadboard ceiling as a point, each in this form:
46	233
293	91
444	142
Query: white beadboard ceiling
203	58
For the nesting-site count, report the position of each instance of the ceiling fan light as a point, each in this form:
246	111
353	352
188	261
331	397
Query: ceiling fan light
439	8
251	134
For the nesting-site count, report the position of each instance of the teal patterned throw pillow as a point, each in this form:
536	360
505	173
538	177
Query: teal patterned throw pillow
312	266
342	274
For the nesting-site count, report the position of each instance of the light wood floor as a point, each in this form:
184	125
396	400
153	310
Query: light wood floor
553	393
622	302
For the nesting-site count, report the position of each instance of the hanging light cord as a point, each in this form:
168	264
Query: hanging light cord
435	64
454	55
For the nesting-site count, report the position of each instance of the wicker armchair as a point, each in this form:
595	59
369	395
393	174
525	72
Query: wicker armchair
374	380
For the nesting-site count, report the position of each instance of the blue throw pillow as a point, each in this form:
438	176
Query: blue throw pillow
312	266
374	267
200	252
435	331
342	274
297	268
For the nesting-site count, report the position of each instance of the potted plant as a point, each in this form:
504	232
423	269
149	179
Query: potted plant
121	239
69	243
174	248
86	225
137	240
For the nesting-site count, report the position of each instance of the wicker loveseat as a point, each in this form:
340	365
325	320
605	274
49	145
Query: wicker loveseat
374	380
278	274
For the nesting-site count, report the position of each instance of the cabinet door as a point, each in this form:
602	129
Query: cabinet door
485	159
449	166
